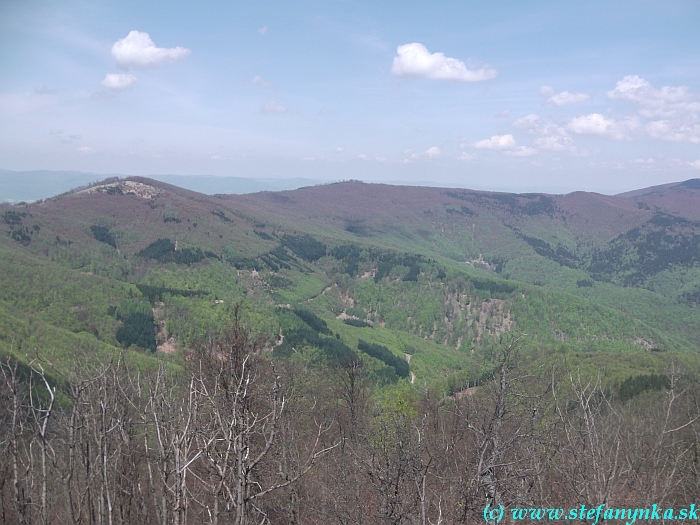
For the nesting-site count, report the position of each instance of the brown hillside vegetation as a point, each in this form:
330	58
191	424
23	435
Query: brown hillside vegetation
232	439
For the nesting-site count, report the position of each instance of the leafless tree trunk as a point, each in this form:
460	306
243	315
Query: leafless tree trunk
17	395
500	422
41	415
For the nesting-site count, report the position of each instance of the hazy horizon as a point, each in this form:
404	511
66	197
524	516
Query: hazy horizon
33	185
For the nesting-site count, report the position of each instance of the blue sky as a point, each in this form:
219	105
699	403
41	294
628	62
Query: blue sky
509	95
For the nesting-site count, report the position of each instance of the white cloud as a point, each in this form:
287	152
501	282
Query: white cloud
271	106
662	102
564	98
260	81
522	151
339	149
532	124
467	156
673	131
137	51
695	164
119	80
410	156
556	143
552	136
674	111
415	60
434	152
597	124
498	142
263	30
84	149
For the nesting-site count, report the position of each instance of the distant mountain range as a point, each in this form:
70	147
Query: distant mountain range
30	186
436	273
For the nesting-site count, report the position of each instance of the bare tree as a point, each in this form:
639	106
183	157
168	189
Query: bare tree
501	422
244	409
15	395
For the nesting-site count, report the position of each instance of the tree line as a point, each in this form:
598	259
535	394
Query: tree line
234	436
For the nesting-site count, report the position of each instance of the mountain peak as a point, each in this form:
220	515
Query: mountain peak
125	187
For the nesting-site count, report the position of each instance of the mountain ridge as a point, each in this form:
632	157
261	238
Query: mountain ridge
442	271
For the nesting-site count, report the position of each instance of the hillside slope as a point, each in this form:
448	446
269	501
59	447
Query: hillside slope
431	276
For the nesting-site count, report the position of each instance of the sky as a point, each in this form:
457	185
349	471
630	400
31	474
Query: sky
503	95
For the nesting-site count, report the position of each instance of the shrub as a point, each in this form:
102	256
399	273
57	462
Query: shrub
357	323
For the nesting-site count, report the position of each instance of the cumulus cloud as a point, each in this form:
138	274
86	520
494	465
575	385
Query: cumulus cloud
84	149
415	60
695	164
497	142
434	152
597	124
564	98
673	111
532	124
505	143
119	81
663	102
260	81
137	51
553	137
522	151
410	156
674	131
555	143
466	156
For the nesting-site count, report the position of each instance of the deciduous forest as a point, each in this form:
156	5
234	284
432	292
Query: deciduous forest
345	354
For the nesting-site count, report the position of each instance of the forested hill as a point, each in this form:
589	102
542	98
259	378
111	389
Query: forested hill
445	270
383	332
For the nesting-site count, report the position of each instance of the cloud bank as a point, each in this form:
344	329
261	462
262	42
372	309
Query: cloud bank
415	60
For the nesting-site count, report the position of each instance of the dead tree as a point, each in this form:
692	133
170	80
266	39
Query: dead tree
501	420
242	406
